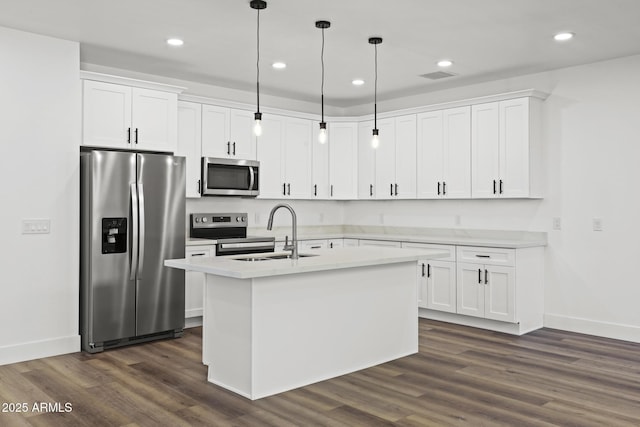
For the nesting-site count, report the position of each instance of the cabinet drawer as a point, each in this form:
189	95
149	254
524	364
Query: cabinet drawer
383	243
490	256
449	248
307	245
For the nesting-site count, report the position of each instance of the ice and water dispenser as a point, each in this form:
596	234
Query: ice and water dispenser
114	235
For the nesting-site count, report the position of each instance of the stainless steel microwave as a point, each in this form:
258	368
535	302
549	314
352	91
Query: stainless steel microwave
230	177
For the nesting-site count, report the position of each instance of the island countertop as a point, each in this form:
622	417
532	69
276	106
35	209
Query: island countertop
322	260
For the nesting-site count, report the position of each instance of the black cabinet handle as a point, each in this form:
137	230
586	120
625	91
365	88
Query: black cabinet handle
486	278
428	270
331	190
500	186
136	135
234	148
315	189
396	189
331	245
128	135
371	190
479	276
423	269
494	186
444	188
228	148
438	188
197	255
288	189
483	256
391	189
284	188
199	190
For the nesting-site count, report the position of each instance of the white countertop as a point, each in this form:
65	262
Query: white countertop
329	259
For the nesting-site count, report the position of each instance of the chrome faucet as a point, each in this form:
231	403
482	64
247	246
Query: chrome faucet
293	247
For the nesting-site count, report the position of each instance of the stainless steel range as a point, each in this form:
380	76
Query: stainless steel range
230	232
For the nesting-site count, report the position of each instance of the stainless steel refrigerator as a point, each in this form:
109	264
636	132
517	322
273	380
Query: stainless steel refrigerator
132	218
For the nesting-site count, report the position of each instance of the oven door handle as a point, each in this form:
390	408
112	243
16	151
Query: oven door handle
252	177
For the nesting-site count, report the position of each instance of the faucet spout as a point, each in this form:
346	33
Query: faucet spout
293	247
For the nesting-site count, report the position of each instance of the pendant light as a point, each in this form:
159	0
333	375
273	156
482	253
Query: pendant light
375	141
322	136
257	128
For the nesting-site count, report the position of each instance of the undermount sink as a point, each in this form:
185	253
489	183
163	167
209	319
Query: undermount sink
270	257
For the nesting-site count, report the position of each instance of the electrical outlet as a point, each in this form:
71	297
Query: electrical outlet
597	224
321	217
381	219
557	224
456	220
36	226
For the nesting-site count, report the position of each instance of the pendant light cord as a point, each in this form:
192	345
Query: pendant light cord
322	85
375	90
258	64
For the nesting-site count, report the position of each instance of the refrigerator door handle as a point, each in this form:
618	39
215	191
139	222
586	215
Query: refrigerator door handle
134	229
142	229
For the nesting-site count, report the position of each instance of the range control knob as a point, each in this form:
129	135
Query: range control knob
197	220
244	218
238	218
204	219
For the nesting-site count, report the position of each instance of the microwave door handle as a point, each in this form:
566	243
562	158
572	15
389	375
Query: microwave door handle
252	177
142	229
134	229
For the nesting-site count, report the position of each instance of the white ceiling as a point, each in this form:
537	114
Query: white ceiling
487	40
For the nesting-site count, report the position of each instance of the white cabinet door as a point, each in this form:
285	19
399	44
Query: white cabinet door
367	186
343	161
194	282
514	147
380	243
106	115
430	155
189	143
336	243
500	298
485	149
470	289
320	166
350	243
441	286
405	157
297	158
385	160
456	179
155	118
444	154
269	153
243	140
216	140
501	149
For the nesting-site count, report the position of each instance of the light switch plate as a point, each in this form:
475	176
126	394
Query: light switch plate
557	224
597	224
36	226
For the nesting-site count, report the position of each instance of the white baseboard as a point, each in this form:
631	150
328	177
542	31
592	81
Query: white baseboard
39	349
592	327
193	322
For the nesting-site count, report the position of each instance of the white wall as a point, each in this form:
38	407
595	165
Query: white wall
40	132
592	161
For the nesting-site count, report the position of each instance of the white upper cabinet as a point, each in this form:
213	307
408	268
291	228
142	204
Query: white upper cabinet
284	151
320	167
227	133
189	143
444	154
506	149
343	161
389	171
125	117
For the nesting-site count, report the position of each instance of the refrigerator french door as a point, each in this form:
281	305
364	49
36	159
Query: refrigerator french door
132	219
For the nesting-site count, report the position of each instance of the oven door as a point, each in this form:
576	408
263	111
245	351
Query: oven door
243	246
230	177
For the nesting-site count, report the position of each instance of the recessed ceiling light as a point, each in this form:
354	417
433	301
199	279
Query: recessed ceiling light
175	42
445	63
279	65
562	37
357	82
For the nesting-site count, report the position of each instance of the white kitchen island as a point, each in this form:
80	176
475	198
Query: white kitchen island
274	325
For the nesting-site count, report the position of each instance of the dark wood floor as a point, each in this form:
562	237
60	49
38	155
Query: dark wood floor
461	376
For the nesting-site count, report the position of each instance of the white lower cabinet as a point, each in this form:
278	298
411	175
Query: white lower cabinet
350	243
312	245
487	291
383	243
335	243
194	282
